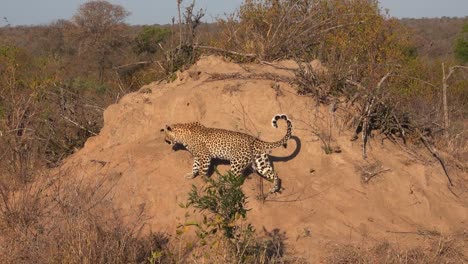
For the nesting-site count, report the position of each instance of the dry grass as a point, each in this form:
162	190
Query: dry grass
435	250
61	220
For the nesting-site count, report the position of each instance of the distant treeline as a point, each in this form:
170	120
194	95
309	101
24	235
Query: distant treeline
435	37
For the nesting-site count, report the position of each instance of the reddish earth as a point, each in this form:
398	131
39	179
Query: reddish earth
324	200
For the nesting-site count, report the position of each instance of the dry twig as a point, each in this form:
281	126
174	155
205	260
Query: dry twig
369	175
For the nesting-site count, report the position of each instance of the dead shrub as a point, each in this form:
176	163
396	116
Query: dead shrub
272	29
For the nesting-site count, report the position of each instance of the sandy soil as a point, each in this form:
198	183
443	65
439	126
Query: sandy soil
324	200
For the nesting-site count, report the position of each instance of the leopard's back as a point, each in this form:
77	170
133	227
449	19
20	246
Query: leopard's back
226	144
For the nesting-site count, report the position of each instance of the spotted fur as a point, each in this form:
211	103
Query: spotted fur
239	148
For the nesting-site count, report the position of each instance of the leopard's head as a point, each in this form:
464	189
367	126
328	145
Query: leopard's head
179	133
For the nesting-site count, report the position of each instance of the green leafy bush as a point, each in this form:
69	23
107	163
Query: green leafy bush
461	46
149	38
223	228
224	199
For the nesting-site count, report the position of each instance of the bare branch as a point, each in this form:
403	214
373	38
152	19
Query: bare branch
225	51
358	85
78	125
414	78
382	80
434	152
133	64
342	25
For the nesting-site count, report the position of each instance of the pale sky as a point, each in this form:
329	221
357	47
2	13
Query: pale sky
31	12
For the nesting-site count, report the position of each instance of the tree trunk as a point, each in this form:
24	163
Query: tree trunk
180	23
444	98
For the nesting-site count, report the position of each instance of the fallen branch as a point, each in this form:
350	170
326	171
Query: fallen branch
434	152
103	163
367	178
133	64
419	232
276	66
237	76
249	55
79	126
358	85
409	151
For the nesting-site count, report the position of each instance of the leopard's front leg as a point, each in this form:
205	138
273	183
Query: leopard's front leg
199	163
195	169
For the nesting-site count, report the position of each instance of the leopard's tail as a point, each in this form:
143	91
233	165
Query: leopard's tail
282	142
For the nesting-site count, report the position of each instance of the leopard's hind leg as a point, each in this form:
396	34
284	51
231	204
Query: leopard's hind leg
238	165
264	168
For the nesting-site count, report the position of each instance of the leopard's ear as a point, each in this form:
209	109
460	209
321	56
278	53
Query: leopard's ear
168	128
162	130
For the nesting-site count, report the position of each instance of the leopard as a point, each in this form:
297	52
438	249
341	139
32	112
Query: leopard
240	149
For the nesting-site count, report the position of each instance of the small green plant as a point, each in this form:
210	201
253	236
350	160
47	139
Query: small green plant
224	199
328	149
155	257
223	228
